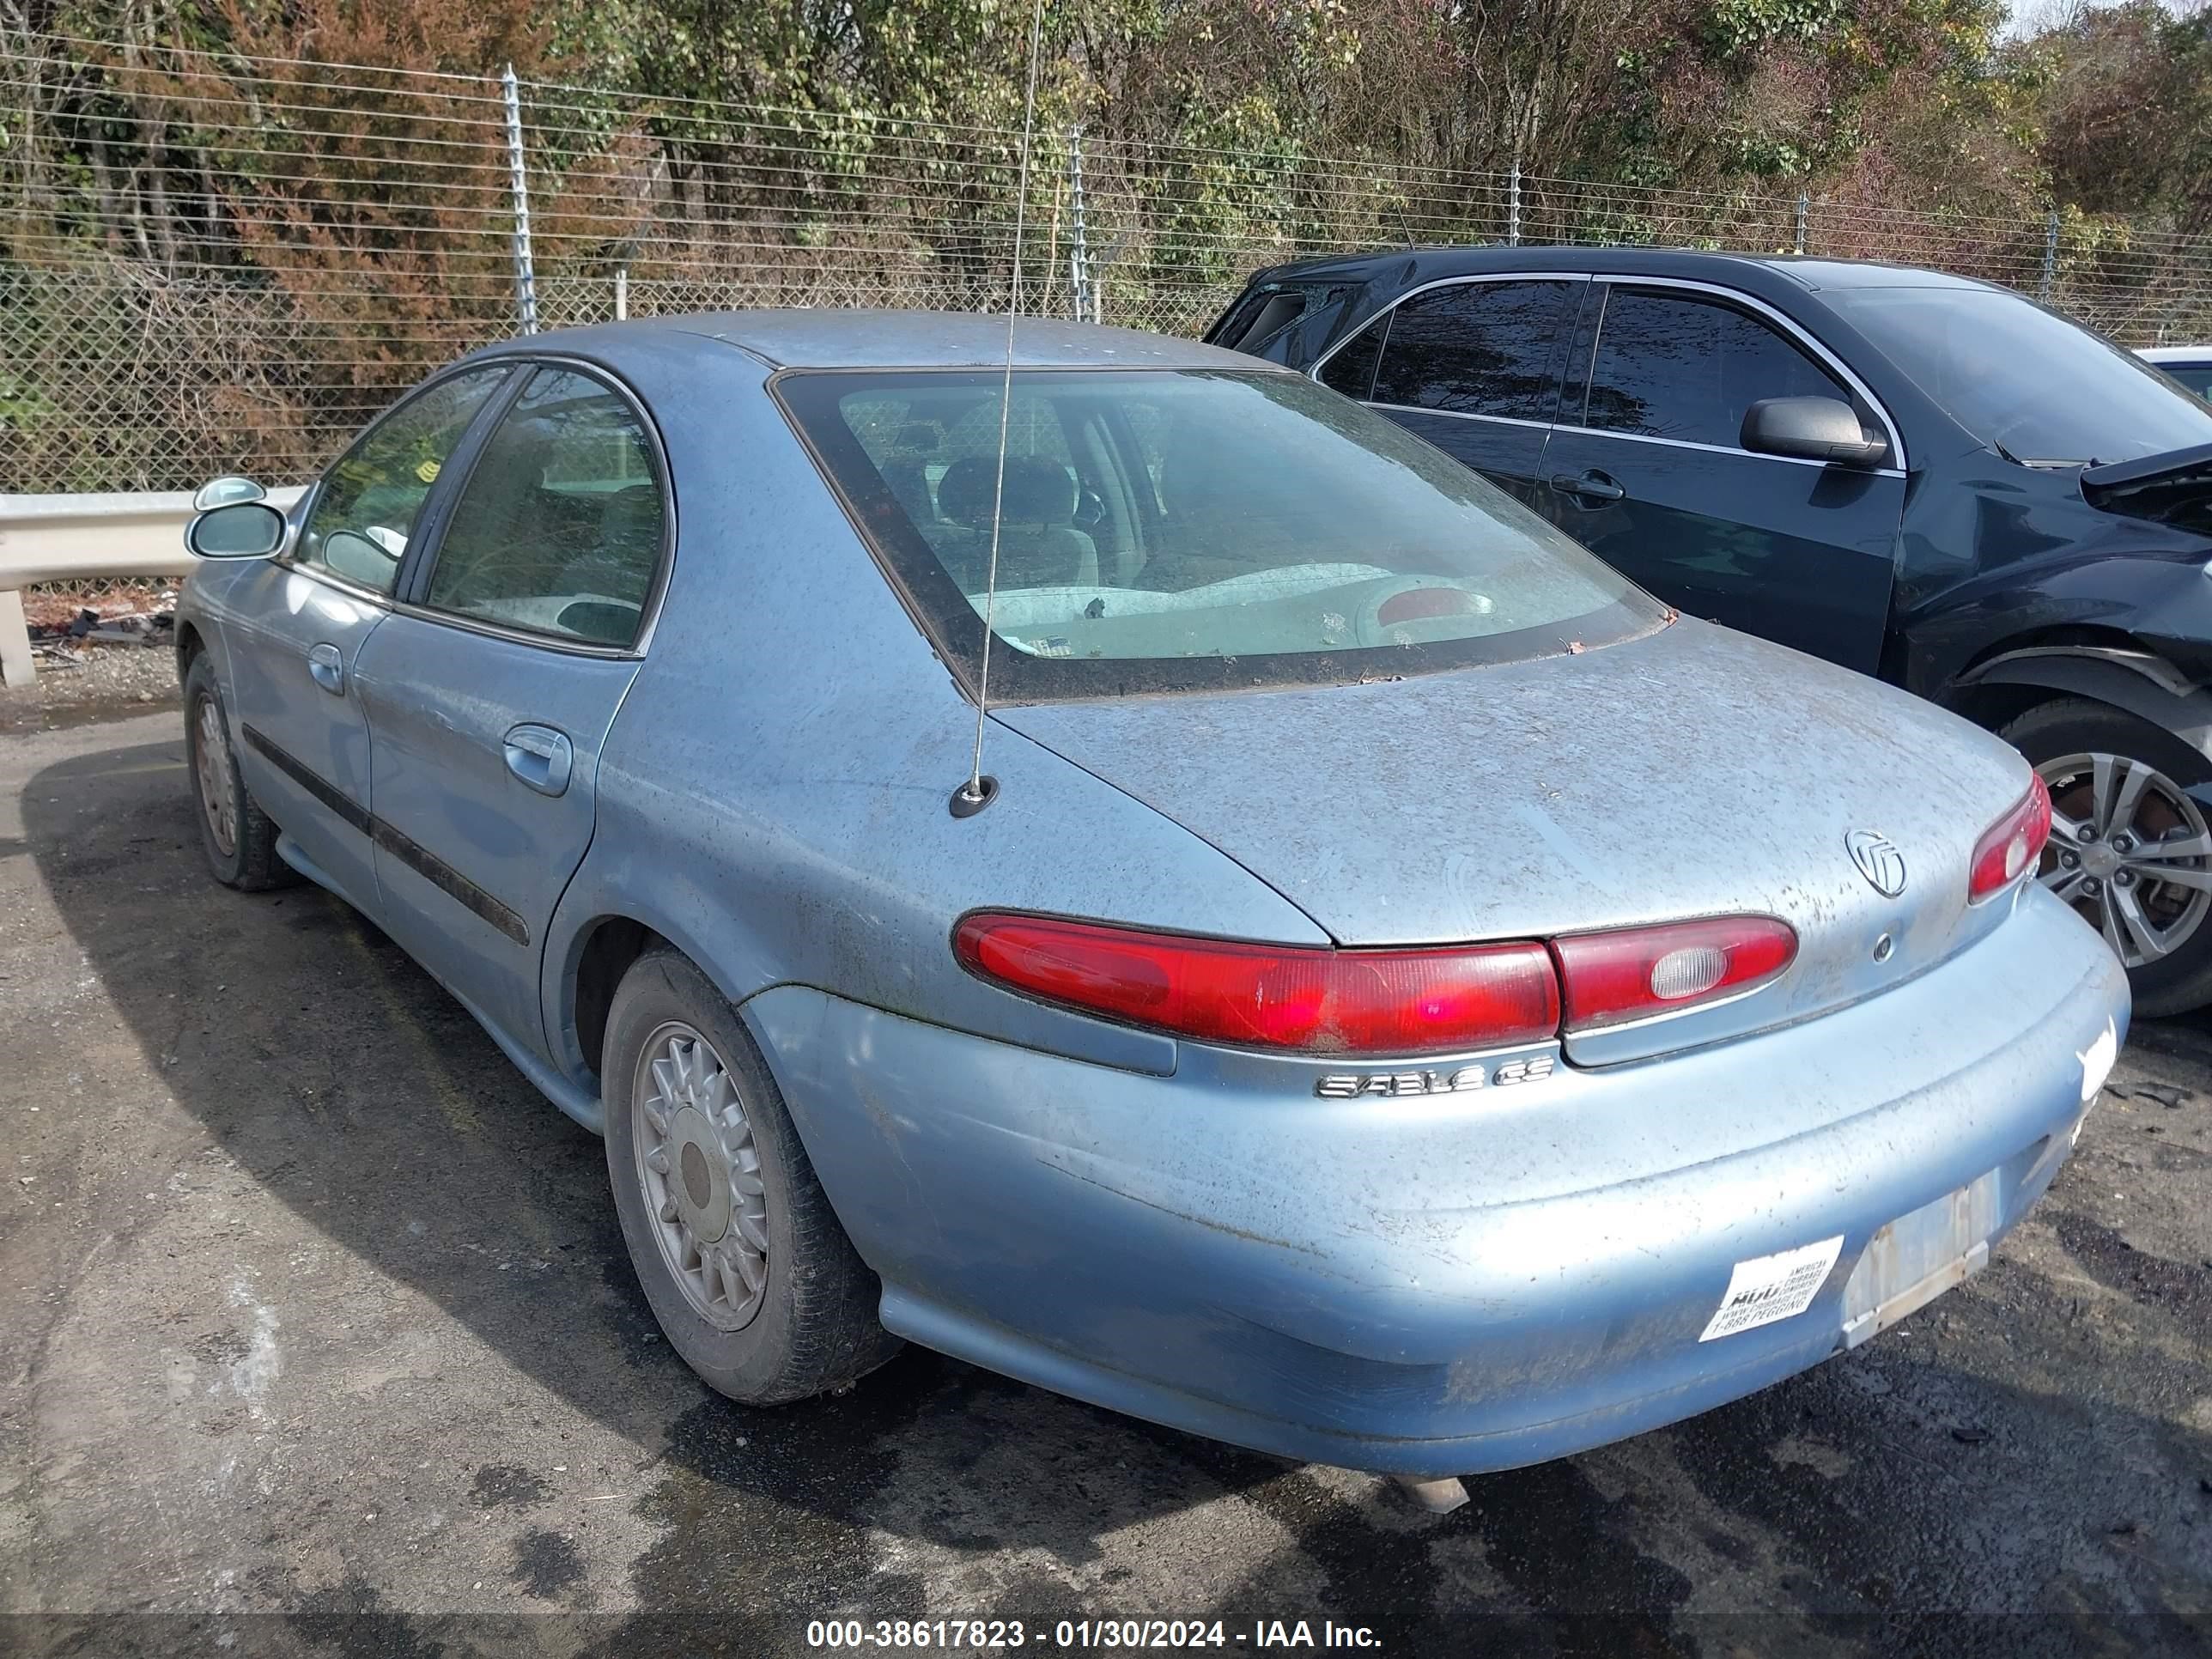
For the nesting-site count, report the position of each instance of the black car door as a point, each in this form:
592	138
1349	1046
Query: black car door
1645	467
1472	365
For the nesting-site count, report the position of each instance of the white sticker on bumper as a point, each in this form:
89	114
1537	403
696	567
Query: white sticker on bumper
1771	1287
2097	1061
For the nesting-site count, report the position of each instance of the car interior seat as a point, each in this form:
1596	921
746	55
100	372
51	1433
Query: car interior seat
1039	545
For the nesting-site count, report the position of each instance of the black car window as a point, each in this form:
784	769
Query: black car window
2024	379
560	528
1674	365
1477	348
367	508
1350	370
2197	377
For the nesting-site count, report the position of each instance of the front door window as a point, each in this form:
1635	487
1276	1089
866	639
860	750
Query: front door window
369	502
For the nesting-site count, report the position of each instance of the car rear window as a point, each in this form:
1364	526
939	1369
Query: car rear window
1190	530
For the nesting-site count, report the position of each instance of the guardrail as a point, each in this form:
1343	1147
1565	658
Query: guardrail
72	539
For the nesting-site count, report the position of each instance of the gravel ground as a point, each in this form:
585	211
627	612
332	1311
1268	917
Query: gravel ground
317	1335
99	681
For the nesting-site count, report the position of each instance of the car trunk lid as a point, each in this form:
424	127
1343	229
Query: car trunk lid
1690	773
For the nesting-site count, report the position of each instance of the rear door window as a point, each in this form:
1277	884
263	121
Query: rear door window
560	528
1684	367
1490	348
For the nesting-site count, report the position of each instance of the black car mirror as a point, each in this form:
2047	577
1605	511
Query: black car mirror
243	530
1811	429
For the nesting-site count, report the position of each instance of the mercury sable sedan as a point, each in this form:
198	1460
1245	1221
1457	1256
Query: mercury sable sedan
1392	993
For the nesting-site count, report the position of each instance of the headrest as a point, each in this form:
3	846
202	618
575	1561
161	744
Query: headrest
1037	491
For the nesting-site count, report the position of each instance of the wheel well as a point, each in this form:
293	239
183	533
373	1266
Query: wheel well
189	646
614	945
1994	706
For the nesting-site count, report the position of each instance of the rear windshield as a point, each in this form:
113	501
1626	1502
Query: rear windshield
1192	529
2024	380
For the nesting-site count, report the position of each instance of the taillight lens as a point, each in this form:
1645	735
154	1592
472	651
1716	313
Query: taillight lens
1274	996
1637	972
2013	845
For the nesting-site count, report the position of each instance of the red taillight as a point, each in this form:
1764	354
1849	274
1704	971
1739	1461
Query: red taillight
2013	845
1274	996
1638	972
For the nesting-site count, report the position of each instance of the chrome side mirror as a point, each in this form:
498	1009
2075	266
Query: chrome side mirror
242	530
226	492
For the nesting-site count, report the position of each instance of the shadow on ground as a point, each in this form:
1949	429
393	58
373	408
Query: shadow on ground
1935	1493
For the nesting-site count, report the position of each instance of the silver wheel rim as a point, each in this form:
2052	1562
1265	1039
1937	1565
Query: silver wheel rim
2130	851
700	1173
211	761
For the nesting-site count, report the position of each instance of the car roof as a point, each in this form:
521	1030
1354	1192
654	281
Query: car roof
1430	263
2175	353
886	339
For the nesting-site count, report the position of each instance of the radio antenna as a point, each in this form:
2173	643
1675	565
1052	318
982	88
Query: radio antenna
979	792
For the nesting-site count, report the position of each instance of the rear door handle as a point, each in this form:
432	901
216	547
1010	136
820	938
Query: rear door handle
1591	486
326	667
540	756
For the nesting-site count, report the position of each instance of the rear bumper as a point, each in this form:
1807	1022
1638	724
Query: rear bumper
1444	1285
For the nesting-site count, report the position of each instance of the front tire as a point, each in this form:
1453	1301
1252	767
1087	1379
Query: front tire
2130	850
745	1263
239	838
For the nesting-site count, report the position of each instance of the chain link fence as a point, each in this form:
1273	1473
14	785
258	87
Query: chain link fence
213	263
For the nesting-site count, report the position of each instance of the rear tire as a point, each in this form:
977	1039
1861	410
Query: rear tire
239	838
2147	771
713	1187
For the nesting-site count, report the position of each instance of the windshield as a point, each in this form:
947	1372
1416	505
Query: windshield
2023	380
1192	529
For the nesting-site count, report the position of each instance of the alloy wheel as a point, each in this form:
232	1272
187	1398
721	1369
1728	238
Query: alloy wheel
700	1175
2130	851
211	762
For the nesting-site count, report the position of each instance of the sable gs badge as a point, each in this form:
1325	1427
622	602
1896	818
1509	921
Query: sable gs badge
1398	1085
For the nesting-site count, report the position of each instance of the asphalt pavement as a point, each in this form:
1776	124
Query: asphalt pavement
317	1335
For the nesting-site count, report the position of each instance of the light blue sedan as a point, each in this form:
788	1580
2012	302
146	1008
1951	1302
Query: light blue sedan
1390	994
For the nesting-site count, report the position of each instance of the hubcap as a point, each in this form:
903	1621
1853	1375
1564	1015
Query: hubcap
211	761
700	1172
2130	851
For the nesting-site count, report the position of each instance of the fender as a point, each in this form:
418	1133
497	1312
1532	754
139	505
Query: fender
2143	685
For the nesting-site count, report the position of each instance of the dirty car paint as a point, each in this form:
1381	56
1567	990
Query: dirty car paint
1192	1233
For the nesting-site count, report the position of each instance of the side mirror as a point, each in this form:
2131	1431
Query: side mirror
1811	429
242	530
226	492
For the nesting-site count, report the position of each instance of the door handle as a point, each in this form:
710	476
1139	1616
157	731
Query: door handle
1591	486
326	667
540	758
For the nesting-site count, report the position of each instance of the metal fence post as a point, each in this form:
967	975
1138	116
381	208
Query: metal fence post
2050	257
526	276
1804	213
1513	206
621	292
1079	257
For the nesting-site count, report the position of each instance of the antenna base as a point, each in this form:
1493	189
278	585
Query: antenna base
972	796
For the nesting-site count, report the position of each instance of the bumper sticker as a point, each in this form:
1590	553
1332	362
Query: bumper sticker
1771	1287
2097	1061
